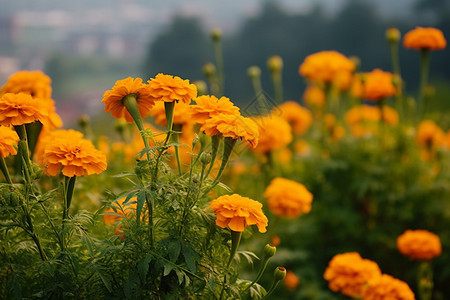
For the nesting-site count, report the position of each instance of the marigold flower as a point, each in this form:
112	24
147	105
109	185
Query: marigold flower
429	135
169	88
291	281
233	126
425	38
113	98
74	155
8	138
314	96
181	114
287	198
386	287
343	80
238	212
378	85
363	119
274	133
121	209
47	136
209	106
419	244
18	109
324	66
53	120
34	83
348	272
298	117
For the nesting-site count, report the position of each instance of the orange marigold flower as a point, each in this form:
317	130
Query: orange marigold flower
378	85
18	109
314	96
429	135
324	66
233	126
343	80
209	106
53	120
170	88
34	83
113	98
119	210
181	114
425	38
74	155
298	117
386	287
8	138
419	244
291	281
46	137
287	198
274	133
238	212
348	272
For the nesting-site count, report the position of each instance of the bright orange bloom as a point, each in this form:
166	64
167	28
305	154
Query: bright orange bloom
46	137
181	114
233	126
8	138
121	209
314	96
291	281
419	244
34	83
238	212
287	198
74	155
378	85
386	287
274	133
169	88
18	109
53	120
425	38
357	87
348	273
429	135
324	66
209	106
298	117
343	80
364	119
113	98
302	147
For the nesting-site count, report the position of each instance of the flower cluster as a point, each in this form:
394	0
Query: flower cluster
419	244
363	119
314	96
386	287
297	116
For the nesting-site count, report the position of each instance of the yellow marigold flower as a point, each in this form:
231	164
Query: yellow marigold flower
238	212
429	135
291	281
181	114
324	66
18	109
349	272
209	106
8	138
169	88
274	133
119	208
386	287
74	155
425	38
378	85
233	126
34	83
47	136
297	116
419	244
314	96
53	120
287	198
113	98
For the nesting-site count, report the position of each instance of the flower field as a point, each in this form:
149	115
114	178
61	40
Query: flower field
344	196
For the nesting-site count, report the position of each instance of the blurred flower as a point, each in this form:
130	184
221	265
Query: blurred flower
283	156
209	106
357	88
425	38
34	83
287	198
386	287
113	98
275	240
298	117
274	133
74	155
302	147
335	131
291	281
18	109
181	114
314	96
119	210
348	273
429	135
8	139
238	212
275	63
343	80
393	35
419	244
233	126
53	120
378	85
170	88
324	66
363	119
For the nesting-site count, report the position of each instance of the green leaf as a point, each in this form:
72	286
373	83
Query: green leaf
167	269
104	277
190	256
141	197
142	267
174	248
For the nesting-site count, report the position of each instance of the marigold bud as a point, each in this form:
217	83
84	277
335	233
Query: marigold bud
120	125
275	63
202	88
216	34
209	69
393	35
356	61
205	158
254	72
279	273
83	121
269	250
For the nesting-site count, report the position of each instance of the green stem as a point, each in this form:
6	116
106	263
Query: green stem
175	137
259	95
5	171
395	59
215	140
227	149
424	70
219	64
69	186
263	267
277	87
150	218
235	241
425	281
272	288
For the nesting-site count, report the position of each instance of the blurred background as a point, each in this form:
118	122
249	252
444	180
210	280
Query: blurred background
86	45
